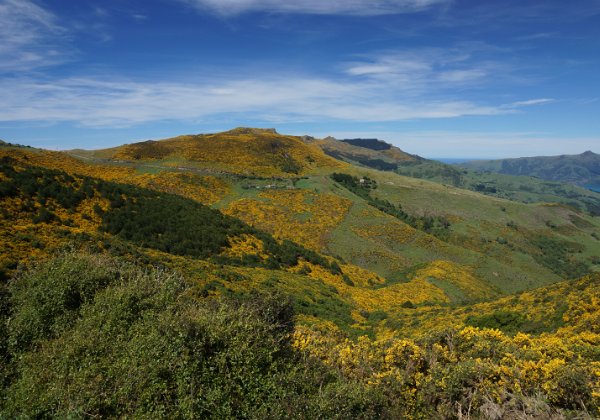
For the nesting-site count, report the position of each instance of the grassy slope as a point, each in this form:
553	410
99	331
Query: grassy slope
477	222
104	218
525	189
430	274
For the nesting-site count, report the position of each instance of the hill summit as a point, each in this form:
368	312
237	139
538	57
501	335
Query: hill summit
243	150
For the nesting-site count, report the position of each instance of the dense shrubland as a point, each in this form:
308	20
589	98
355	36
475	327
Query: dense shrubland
94	336
89	337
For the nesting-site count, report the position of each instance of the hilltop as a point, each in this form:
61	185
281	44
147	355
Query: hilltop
579	169
244	151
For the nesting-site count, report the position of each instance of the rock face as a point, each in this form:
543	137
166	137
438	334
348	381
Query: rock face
252	130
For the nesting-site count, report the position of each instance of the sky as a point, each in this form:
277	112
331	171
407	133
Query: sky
439	78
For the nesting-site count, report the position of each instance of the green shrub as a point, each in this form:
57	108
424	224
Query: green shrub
97	337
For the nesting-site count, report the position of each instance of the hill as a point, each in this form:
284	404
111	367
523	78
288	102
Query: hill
582	169
371	153
244	151
525	189
395	226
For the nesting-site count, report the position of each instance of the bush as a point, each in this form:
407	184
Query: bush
98	337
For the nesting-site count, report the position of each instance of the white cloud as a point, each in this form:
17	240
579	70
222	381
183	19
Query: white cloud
27	32
531	102
425	69
95	102
320	7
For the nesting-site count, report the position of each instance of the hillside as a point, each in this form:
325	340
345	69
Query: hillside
525	189
507	245
381	290
98	335
371	153
582	169
45	211
380	155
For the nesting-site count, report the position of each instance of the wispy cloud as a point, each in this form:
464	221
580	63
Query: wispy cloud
428	69
530	102
27	36
320	7
95	102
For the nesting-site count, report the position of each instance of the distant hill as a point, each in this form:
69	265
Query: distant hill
582	169
373	153
373	144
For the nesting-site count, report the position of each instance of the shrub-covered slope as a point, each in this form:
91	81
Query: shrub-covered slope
95	336
402	225
246	151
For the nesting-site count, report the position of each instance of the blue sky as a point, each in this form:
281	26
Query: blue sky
440	78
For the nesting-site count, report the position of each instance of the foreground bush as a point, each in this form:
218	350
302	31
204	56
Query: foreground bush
89	336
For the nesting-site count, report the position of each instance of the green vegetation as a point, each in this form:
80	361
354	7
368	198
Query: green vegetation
150	219
90	336
437	226
122	301
556	255
515	187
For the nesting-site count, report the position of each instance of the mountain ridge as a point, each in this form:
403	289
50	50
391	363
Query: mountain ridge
579	169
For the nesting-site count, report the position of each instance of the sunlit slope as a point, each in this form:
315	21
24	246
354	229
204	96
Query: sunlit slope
526	189
246	151
502	246
203	188
45	211
566	308
510	245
